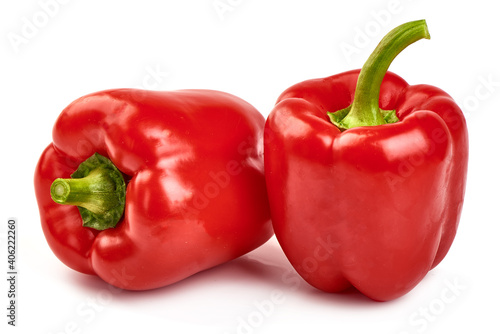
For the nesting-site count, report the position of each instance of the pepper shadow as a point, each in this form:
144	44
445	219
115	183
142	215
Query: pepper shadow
258	272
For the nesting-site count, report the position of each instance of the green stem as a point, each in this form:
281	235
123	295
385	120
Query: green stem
365	111
97	187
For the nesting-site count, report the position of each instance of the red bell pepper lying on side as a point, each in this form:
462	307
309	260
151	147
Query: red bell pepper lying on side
373	200
176	185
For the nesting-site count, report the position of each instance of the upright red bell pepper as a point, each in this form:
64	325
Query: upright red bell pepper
165	184
366	175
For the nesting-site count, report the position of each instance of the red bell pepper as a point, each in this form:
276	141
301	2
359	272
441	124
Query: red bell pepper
366	175
165	184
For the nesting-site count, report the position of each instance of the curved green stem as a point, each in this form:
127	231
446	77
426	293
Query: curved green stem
98	189
365	111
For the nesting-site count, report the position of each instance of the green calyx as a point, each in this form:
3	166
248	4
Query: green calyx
97	188
365	110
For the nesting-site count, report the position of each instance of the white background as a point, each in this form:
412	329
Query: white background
53	52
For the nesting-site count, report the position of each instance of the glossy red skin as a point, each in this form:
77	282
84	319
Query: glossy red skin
371	207
196	195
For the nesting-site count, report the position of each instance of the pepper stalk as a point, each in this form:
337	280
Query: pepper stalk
97	188
365	110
